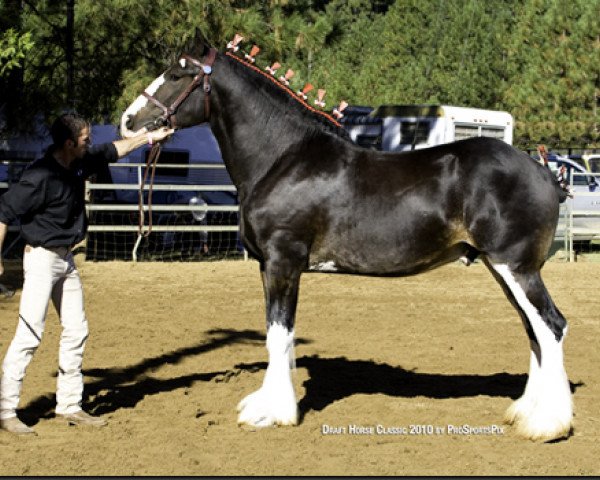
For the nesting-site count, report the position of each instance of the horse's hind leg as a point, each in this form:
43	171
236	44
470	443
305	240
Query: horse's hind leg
275	402
545	411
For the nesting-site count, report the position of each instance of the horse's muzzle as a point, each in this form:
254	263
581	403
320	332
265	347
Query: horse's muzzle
161	122
157	123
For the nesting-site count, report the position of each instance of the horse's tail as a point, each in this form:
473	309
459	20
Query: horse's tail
560	183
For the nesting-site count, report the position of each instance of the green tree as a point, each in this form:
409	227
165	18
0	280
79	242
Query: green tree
13	50
446	51
353	41
537	59
554	72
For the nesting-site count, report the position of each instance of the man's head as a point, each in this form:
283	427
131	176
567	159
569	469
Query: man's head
71	133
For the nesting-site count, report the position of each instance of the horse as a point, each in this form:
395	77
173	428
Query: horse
311	200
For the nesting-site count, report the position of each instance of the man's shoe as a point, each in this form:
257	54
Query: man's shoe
16	426
82	418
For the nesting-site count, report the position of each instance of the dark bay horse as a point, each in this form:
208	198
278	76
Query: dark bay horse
312	200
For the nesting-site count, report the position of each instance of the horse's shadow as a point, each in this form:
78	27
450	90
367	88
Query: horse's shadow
333	379
330	380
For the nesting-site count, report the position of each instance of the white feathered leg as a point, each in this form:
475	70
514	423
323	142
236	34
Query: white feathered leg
545	411
522	407
275	402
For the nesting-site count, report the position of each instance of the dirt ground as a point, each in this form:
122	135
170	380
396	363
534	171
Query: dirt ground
175	346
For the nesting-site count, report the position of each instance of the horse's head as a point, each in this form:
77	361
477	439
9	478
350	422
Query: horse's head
178	98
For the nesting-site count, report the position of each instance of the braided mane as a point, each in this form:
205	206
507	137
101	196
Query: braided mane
323	118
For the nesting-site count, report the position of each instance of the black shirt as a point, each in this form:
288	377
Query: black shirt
49	200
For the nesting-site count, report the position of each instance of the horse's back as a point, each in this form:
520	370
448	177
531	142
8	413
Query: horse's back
396	213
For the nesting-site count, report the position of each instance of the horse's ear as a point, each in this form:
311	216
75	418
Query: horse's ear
200	41
197	45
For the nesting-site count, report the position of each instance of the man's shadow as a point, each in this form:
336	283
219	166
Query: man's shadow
116	388
330	380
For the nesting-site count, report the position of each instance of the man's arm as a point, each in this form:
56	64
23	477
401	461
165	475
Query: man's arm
127	145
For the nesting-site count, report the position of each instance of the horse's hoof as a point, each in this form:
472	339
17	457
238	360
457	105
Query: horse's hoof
519	409
258	410
543	433
539	420
531	422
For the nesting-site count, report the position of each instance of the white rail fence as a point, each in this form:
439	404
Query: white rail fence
13	170
579	220
201	209
581	214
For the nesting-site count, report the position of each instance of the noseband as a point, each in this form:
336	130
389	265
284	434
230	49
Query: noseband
168	116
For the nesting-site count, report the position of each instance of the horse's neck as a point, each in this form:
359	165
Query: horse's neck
251	134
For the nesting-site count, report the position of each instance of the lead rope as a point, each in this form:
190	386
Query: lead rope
150	166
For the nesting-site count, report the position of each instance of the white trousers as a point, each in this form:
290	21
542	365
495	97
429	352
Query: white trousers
48	274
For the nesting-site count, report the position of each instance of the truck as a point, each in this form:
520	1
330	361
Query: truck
412	127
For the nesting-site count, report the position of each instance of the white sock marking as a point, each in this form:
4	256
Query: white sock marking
275	402
545	410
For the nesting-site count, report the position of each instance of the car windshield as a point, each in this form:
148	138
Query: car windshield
579	161
595	165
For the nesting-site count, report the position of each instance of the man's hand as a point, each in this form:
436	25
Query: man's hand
127	145
160	134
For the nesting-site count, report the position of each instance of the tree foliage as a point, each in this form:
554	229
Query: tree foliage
554	65
13	48
537	59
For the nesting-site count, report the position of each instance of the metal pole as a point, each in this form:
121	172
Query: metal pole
571	201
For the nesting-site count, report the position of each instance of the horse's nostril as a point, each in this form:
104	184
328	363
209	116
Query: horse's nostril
129	122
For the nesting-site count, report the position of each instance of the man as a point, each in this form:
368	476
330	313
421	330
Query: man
49	201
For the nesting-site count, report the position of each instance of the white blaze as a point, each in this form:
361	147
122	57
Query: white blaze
139	103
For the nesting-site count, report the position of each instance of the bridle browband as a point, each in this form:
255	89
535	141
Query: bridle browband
203	76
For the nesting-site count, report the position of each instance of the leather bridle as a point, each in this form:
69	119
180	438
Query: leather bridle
203	76
168	119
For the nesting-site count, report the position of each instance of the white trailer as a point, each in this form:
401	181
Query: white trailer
411	127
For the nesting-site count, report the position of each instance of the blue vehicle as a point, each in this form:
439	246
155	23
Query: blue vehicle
187	147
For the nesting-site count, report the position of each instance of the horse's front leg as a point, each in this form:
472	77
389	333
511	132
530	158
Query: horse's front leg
275	402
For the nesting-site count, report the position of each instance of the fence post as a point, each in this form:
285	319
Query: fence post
570	207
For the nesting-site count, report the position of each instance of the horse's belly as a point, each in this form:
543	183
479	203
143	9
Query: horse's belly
376	262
